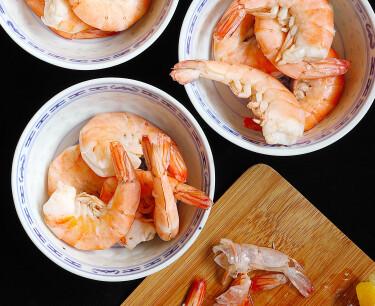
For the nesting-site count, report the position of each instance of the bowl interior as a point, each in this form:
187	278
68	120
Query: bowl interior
57	125
354	40
31	34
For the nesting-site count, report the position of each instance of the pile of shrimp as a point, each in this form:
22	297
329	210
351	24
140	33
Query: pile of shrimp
257	41
238	260
100	196
85	19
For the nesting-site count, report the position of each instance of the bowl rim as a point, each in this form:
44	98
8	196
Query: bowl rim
270	150
99	65
124	81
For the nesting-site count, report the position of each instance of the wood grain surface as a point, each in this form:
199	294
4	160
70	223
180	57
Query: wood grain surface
262	208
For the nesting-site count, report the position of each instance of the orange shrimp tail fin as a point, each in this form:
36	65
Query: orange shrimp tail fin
196	293
194	198
108	189
229	23
177	167
157	157
326	68
268	281
249	123
123	167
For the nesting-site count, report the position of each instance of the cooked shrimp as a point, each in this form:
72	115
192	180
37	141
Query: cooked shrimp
318	97
115	15
70	169
196	293
142	230
128	129
267	281
242	258
242	47
157	159
281	116
238	292
58	15
266	28
87	223
308	23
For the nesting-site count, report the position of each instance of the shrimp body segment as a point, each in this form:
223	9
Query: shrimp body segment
127	129
87	223
114	15
281	116
305	69
242	47
165	214
242	258
318	97
308	23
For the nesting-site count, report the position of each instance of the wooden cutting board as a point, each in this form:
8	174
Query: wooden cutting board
262	208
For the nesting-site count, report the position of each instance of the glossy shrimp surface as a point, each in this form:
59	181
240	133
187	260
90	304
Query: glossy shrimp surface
318	97
196	293
87	223
279	112
70	169
305	69
157	159
127	129
242	47
242	258
308	23
59	17
238	292
114	15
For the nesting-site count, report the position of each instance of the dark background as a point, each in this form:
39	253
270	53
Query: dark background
338	179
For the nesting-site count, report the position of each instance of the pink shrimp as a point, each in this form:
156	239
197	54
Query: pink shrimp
157	159
279	112
318	97
115	15
242	258
242	47
87	223
68	26
128	129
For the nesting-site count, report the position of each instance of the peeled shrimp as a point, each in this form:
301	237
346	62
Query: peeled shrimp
70	169
128	129
281	116
308	23
59	17
142	230
157	159
242	47
327	67
87	223
318	97
242	258
114	15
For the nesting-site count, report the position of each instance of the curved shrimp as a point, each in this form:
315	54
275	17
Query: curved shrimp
318	97
115	15
165	214
242	258
128	129
308	23
87	223
242	47
142	230
59	17
70	169
281	116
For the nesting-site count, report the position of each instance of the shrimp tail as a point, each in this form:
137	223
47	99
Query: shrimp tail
267	281
229	23
194	197
196	293
123	167
328	67
299	280
179	169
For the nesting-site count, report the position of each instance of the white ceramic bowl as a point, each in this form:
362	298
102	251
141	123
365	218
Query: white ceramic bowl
28	31
354	40
56	126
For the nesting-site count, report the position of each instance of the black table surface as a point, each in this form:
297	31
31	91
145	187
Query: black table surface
338	179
